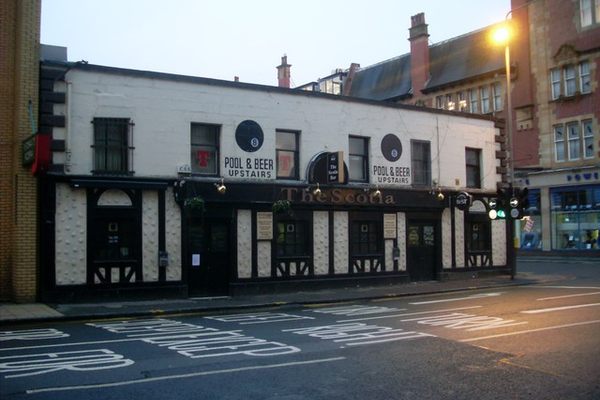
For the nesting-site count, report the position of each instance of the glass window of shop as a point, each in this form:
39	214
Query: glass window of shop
530	226
575	218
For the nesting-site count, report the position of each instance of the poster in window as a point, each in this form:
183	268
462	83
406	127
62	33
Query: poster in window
428	236
413	236
203	157
389	226
264	226
285	164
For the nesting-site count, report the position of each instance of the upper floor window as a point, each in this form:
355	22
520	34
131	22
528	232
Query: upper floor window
473	166
421	162
205	149
462	102
577	143
570	80
497	88
450	105
485	99
359	159
473	100
286	148
439	102
589	11
113	150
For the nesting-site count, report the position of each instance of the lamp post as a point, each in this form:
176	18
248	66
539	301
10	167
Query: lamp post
502	35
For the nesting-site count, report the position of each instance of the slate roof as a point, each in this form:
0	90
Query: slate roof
463	58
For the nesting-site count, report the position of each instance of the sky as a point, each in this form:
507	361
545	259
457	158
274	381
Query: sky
222	39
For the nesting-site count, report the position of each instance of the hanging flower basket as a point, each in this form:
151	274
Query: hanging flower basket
194	204
281	207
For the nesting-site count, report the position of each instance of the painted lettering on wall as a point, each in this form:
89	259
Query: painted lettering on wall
336	196
386	174
248	167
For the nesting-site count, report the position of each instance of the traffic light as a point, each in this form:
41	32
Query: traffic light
497	208
518	203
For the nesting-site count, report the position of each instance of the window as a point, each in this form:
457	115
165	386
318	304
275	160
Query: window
421	162
292	238
585	82
574	140
589	11
286	145
485	99
113	153
555	83
570	82
473	164
473	100
365	237
559	143
497	88
462	102
479	235
359	159
439	102
575	216
205	149
450	102
588	139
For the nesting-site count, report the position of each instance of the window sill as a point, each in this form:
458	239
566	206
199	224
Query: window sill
575	97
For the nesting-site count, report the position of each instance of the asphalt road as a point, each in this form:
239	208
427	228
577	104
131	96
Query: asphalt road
540	342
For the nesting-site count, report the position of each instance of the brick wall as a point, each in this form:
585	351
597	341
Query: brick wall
19	66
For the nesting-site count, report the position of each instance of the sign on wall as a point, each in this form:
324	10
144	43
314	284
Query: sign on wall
264	226
397	169
389	226
249	138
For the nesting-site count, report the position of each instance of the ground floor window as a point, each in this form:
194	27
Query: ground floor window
366	243
530	227
293	255
575	215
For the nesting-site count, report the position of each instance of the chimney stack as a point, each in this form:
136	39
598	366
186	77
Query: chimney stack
283	73
419	54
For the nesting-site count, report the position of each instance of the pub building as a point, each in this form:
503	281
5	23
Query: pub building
170	184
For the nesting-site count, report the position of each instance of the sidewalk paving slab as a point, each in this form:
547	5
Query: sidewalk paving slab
37	312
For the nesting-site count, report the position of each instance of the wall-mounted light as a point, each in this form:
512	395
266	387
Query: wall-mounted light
376	192
221	188
440	196
317	191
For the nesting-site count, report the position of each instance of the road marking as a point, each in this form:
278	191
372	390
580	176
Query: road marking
355	310
475	296
468	322
258	318
566	287
568	295
69	344
32	334
409	314
182	376
543	310
548	328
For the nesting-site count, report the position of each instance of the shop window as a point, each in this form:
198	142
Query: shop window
366	244
575	218
530	227
286	148
205	149
473	167
359	159
113	150
292	238
421	162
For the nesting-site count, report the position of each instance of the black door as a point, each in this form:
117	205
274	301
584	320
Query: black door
422	252
208	273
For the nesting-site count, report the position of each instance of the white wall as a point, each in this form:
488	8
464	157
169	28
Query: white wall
164	110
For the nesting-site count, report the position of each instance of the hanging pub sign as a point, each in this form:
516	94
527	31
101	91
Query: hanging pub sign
328	168
463	201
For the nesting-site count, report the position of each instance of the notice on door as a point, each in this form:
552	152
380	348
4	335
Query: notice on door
264	226
389	226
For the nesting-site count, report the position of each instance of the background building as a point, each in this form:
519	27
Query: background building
19	66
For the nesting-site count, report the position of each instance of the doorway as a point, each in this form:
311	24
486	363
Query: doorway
210	259
422	250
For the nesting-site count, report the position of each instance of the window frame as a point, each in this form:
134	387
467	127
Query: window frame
296	154
570	80
561	141
484	95
415	163
593	8
497	95
588	139
216	146
365	158
556	83
585	78
124	149
573	142
474	101
473	168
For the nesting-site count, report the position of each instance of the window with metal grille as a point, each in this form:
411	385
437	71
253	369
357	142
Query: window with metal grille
113	150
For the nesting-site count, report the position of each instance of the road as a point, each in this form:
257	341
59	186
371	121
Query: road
539	342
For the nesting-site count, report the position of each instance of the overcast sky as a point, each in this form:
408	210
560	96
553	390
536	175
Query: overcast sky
246	38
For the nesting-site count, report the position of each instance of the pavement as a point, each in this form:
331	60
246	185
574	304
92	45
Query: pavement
11	313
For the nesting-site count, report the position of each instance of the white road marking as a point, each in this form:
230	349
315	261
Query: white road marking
69	344
409	314
543	310
568	295
566	287
548	328
475	296
182	376
32	334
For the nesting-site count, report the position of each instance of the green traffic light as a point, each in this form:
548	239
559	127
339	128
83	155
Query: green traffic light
501	214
